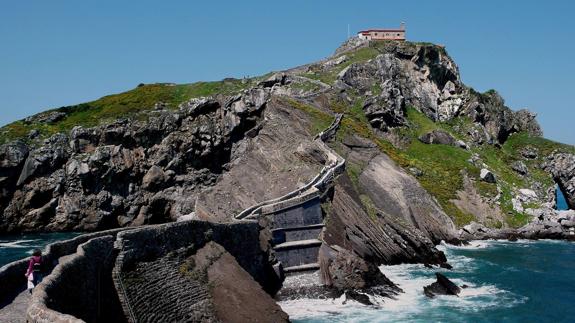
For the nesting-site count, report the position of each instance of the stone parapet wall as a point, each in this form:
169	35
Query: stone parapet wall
12	277
290	203
12	280
80	286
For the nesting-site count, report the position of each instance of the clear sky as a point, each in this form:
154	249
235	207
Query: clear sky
56	53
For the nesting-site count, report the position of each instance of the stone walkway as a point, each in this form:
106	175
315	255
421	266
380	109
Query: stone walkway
15	312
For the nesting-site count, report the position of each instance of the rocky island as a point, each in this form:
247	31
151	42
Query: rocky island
205	200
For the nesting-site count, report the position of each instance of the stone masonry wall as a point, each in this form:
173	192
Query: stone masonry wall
80	288
148	244
159	291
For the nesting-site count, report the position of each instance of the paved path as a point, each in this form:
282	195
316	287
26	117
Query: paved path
15	312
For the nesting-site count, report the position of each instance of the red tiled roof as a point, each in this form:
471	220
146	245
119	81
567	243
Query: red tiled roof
381	30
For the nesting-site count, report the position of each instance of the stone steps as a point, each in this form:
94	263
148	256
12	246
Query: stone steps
303	227
282	235
297	244
307	267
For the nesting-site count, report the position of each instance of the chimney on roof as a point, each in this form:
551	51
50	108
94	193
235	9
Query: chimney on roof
402	26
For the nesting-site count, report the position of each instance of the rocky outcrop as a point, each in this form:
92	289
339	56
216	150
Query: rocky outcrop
546	224
498	121
420	76
398	194
379	239
425	77
443	286
344	271
12	159
127	172
265	167
443	138
562	167
236	296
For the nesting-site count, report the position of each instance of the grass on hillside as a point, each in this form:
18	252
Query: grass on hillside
329	76
443	166
123	105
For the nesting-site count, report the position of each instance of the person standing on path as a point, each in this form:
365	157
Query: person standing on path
35	269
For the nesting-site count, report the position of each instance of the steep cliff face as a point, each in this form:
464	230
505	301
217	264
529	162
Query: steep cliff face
128	172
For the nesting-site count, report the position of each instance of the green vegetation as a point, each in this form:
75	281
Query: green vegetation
330	75
442	166
123	105
319	120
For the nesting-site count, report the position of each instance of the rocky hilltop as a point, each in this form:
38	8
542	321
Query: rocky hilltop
427	159
423	150
164	151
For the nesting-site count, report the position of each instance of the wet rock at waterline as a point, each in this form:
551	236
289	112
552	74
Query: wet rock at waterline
443	286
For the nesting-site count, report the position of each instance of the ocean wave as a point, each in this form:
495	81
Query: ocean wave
15	244
412	305
474	244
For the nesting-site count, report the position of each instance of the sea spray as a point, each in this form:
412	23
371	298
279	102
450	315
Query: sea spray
499	275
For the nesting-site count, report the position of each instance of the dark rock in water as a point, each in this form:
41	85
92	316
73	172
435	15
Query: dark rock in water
443	286
464	286
428	266
344	270
458	242
445	265
512	238
358	297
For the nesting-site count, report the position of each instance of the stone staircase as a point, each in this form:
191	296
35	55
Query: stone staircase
296	218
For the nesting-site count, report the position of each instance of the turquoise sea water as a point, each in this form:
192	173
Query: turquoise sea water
561	202
525	281
15	247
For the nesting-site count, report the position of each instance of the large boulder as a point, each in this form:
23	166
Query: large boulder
562	168
443	286
443	138
520	167
343	269
438	137
154	178
487	176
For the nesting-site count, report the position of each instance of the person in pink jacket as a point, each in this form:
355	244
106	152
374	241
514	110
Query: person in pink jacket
35	268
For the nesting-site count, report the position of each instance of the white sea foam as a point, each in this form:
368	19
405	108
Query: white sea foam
412	305
15	244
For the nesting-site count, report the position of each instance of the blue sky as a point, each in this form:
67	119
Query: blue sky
55	53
